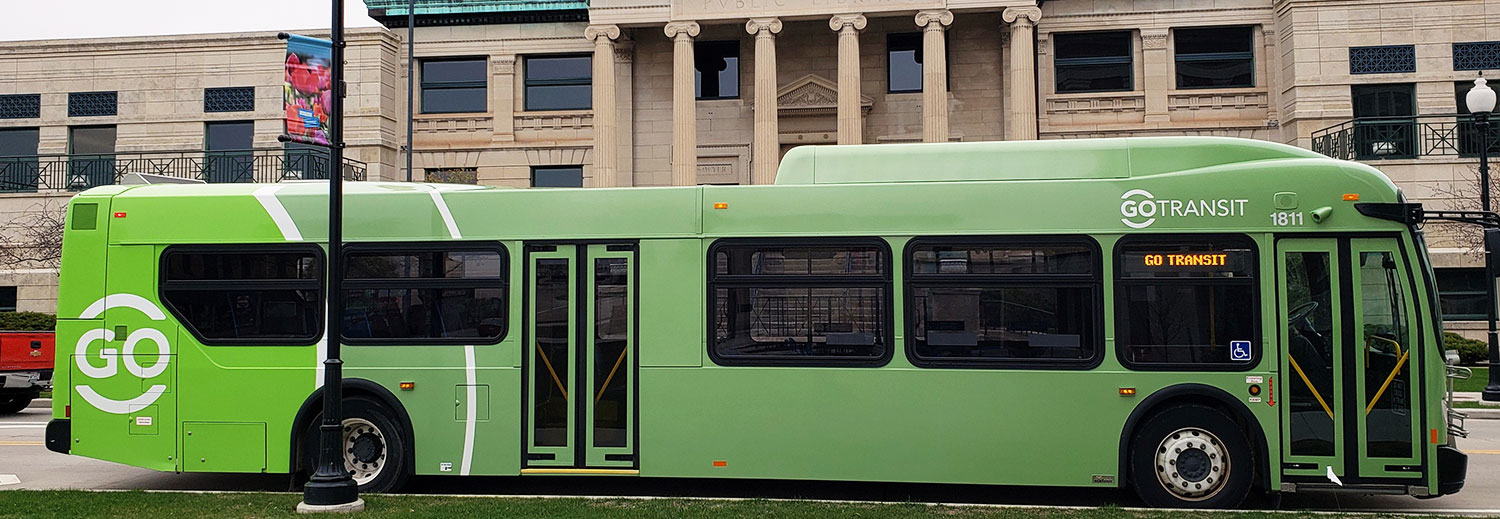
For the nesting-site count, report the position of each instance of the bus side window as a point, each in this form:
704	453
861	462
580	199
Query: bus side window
1186	302
246	294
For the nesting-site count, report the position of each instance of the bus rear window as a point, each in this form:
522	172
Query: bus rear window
250	294
1187	303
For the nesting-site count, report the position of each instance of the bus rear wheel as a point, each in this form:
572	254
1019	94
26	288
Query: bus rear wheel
372	446
1191	456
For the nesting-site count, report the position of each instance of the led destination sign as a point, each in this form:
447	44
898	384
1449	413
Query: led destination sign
1203	262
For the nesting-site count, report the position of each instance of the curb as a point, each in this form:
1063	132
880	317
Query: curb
1482	414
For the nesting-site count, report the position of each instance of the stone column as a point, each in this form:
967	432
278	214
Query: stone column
1022	115
934	74
767	148
606	164
684	104
851	121
1157	79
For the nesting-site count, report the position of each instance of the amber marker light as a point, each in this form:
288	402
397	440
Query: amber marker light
1127	391
721	463
1351	197
408	386
721	205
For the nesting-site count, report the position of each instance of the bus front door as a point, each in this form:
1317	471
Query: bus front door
580	384
1347	358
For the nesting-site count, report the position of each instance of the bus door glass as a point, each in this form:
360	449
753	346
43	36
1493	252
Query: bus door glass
1311	357
1385	357
580	363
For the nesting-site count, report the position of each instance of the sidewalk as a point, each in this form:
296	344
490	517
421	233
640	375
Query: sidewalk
1491	412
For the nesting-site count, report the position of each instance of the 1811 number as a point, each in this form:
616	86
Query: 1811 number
1286	218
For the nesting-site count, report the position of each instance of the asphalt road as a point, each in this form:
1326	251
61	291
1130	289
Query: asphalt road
23	456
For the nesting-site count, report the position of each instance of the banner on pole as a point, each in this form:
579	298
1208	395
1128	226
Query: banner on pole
308	89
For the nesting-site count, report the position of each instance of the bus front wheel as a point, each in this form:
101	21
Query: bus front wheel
1191	456
372	446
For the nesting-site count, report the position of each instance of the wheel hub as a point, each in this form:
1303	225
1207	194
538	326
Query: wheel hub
1192	464
364	450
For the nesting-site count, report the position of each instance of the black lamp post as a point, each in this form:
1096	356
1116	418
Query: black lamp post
331	488
1481	101
411	76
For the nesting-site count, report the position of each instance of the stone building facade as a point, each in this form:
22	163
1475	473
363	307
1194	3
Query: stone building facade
619	93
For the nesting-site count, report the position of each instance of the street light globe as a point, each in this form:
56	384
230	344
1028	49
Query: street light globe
1481	98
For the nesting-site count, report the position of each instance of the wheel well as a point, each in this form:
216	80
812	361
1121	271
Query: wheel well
352	387
1207	396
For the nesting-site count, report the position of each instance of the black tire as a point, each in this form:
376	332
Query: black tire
371	432
14	404
1200	445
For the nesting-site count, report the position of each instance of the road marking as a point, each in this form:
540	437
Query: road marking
9	479
1483	452
42	426
20	444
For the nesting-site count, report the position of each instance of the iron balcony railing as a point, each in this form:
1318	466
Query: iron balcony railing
29	173
1381	138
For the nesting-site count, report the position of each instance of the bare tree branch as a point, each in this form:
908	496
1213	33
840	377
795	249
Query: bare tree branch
1463	195
33	238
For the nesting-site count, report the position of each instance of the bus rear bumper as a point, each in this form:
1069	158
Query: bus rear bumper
59	435
1452	467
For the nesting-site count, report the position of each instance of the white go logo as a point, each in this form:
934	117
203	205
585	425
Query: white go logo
112	358
1139	208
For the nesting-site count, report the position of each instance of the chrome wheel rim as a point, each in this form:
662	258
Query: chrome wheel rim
364	450
1192	464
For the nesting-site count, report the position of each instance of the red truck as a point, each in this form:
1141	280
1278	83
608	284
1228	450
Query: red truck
25	368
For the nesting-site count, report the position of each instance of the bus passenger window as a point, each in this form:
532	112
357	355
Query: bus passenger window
800	302
998	303
424	294
1187	303
246	294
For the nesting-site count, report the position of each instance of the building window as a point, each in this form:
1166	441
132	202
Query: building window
1385	125
997	302
1215	57
93	104
91	159
904	62
251	295
1187	303
228	156
7	299
557	176
559	82
425	294
1093	61
1461	293
19	165
20	106
231	99
1383	59
1479	55
454	86
717	69
800	302
451	175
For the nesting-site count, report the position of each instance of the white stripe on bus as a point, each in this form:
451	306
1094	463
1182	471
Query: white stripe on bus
472	391
442	208
267	198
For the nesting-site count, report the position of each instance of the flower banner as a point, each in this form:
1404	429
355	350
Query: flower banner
309	89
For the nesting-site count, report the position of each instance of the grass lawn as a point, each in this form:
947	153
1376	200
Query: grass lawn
1475	383
114	505
45	394
1474	405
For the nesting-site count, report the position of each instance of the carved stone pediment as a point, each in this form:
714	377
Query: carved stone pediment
813	95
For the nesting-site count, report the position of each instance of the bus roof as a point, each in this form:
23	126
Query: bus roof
1022	160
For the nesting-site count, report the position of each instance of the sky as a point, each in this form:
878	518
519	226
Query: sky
53	19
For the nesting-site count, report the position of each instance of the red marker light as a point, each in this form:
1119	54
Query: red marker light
721	463
119	214
67	411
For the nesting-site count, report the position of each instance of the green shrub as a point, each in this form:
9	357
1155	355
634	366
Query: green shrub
27	321
1470	351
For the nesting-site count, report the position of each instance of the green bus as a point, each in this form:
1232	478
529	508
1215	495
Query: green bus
1195	318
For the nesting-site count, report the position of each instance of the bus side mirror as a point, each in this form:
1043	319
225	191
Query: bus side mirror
1492	251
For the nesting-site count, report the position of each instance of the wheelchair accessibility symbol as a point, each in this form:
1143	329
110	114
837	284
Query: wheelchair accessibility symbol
1239	351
